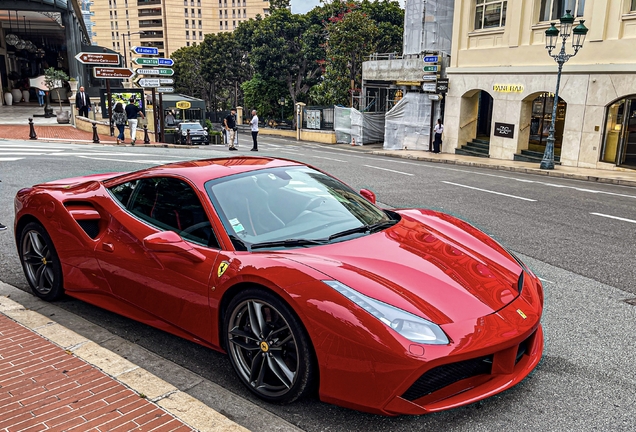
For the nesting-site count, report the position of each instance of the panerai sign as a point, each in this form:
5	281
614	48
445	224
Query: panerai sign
505	130
508	88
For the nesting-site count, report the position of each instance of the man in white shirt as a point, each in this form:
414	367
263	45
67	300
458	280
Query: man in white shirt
438	130
254	126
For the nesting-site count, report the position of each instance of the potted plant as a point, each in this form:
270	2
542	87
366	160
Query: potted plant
53	79
73	84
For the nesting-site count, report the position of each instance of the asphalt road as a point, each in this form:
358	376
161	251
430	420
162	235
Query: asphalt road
578	236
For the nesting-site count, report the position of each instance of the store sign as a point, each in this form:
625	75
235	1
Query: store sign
183	105
504	130
442	85
508	88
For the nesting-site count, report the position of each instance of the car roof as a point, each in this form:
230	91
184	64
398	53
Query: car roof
201	171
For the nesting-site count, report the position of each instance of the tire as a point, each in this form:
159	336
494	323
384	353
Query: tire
279	367
40	262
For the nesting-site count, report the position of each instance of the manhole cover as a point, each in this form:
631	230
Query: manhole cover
631	301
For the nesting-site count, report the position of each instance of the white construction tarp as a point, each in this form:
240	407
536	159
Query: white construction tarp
428	26
353	126
408	123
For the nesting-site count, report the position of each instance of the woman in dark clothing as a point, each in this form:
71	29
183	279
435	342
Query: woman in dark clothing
119	118
437	142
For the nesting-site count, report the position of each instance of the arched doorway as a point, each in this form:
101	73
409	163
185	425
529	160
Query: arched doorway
475	124
540	120
619	137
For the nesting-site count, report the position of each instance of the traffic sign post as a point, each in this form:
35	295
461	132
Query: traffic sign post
112	73
145	61
98	58
165	90
159	71
163	81
149	82
432	68
431	59
145	50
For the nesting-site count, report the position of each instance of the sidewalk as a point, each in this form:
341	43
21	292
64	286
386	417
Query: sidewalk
53	378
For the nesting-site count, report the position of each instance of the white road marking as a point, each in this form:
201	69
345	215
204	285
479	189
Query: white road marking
386	169
3	159
5	150
21	154
545	280
326	158
158	162
614	217
489	191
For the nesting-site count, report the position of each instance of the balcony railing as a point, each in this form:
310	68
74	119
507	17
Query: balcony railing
153	23
149	12
151	35
148	2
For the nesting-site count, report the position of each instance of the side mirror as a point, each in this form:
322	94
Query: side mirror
171	242
370	196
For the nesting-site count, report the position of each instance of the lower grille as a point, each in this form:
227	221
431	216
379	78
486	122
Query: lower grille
448	374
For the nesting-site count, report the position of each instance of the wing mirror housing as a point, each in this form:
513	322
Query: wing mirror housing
366	193
171	242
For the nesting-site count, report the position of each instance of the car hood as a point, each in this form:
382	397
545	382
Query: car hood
76	181
430	264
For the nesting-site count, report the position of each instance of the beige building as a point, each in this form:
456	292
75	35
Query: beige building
167	24
502	82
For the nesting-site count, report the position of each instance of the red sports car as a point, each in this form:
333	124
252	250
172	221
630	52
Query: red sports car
306	284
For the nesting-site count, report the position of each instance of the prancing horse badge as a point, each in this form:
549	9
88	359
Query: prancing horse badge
222	267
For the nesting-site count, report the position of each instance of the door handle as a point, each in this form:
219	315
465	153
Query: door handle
108	247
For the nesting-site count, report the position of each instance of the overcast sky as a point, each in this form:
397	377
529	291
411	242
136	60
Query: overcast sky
304	6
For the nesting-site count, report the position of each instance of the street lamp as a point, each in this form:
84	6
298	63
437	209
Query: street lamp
123	35
281	102
551	38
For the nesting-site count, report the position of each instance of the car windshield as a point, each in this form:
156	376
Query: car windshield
292	207
191	126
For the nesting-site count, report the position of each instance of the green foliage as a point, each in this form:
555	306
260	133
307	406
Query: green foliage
54	79
189	78
263	95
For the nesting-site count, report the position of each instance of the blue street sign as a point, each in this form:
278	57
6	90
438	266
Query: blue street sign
165	62
431	59
145	50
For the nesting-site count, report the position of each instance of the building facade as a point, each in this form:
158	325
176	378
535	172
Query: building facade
168	24
502	82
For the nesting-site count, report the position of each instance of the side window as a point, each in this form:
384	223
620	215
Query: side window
123	192
170	204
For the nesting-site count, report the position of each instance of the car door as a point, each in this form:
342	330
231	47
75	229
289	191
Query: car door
148	265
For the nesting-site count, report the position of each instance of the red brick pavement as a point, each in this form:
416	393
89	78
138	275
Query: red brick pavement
57	133
43	387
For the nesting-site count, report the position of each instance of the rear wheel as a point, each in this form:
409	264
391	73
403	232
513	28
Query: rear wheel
268	347
40	262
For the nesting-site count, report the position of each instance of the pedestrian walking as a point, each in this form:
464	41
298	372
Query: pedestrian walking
41	97
437	141
82	102
230	127
254	127
132	112
120	118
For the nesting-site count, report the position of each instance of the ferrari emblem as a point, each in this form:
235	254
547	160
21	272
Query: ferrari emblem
264	346
222	267
520	312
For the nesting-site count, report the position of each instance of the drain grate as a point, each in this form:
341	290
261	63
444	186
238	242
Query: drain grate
631	301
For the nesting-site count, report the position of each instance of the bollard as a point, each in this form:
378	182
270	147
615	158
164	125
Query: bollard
189	138
146	137
32	134
95	136
112	128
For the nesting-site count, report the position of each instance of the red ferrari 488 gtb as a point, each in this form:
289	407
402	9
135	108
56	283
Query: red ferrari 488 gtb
305	283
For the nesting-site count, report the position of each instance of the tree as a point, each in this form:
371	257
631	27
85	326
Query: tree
189	79
54	79
263	95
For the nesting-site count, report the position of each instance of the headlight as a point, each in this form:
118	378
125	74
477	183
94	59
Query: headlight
184	133
410	326
205	133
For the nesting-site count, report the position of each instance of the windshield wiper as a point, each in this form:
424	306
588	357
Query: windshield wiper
288	243
364	229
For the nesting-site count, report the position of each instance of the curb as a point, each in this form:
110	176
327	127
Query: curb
181	405
525	170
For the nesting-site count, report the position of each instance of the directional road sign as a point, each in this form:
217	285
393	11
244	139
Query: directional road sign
145	61
429	87
165	89
149	82
98	58
104	72
145	50
434	68
159	71
431	59
163	81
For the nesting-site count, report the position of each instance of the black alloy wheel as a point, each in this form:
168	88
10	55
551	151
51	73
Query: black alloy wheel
40	262
268	347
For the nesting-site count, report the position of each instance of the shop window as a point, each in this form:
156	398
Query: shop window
552	10
490	14
619	141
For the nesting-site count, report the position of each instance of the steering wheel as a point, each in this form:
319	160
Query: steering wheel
195	227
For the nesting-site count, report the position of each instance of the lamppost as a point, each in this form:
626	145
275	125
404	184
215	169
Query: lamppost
551	37
123	35
281	102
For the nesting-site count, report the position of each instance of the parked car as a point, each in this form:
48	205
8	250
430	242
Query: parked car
307	285
198	134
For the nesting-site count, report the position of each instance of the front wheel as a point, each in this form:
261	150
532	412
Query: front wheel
268	347
40	262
